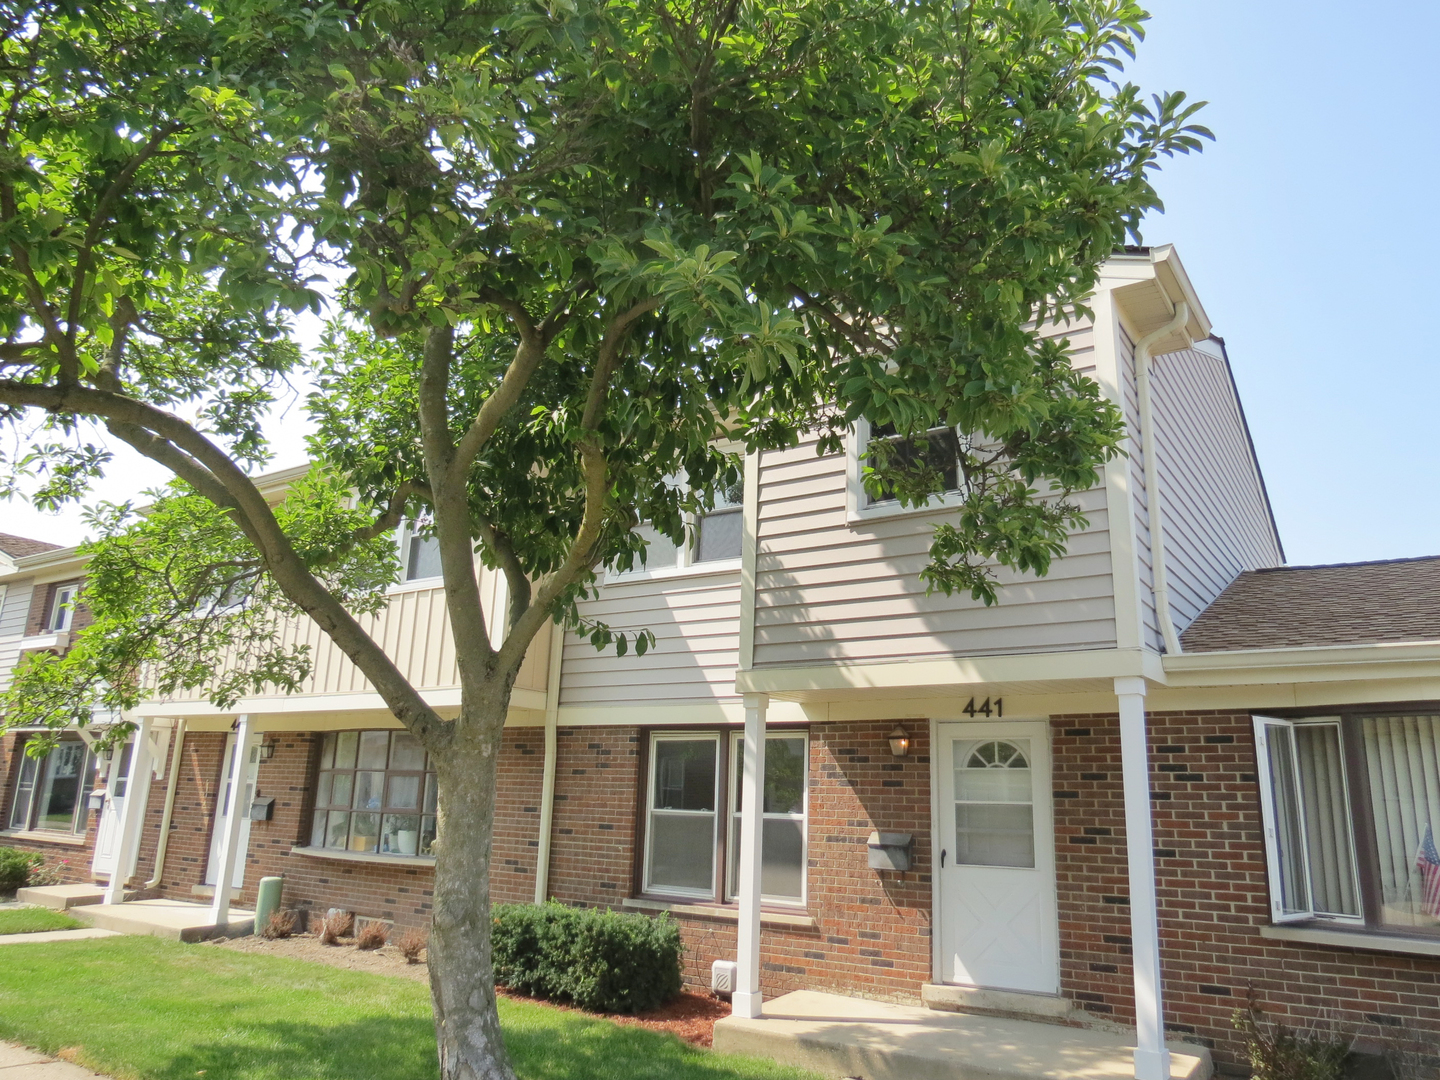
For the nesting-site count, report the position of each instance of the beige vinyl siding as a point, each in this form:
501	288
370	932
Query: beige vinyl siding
695	618
1217	521
1145	568
831	589
414	631
14	610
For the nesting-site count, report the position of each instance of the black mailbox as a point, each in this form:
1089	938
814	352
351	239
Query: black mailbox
263	808
891	851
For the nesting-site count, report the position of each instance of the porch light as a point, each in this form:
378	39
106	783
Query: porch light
899	740
267	750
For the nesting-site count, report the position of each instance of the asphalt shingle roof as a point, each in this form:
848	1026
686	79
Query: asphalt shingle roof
19	546
1342	604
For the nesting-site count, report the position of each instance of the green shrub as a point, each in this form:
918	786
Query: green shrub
601	960
16	867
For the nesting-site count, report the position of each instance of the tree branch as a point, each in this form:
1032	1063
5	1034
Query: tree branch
509	562
179	446
856	336
102	214
581	558
450	497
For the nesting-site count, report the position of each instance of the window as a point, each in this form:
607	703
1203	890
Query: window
782	847
50	792
375	793
719	532
714	536
937	450
994	811
419	555
1352	819
62	608
693	778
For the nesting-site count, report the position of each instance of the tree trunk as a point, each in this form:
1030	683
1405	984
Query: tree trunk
462	980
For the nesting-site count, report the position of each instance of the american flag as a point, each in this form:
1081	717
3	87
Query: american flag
1427	861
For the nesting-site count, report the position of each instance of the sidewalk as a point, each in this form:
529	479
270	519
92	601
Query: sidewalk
17	1063
56	935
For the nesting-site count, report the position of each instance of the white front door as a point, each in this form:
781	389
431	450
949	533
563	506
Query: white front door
222	807
115	776
995	842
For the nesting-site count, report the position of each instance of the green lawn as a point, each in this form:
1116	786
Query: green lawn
29	920
145	1009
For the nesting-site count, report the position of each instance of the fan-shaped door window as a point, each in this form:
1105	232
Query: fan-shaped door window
994	803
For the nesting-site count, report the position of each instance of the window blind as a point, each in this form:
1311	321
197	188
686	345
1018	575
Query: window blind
1403	758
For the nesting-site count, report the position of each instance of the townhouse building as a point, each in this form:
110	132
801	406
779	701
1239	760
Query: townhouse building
1169	773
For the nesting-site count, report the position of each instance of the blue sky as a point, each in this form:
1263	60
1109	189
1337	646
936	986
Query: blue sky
1310	231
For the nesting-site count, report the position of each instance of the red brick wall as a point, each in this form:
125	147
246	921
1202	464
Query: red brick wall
872	932
1214	895
873	929
400	893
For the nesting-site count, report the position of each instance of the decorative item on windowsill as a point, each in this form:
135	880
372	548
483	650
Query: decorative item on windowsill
899	741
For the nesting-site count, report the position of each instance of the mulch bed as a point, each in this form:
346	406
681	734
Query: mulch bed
691	1016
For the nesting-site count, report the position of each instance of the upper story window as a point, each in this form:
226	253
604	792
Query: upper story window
62	608
50	792
712	537
419	554
939	450
691	818
1326	782
375	793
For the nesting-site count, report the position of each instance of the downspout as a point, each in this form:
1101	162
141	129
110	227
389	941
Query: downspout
170	787
1152	476
547	784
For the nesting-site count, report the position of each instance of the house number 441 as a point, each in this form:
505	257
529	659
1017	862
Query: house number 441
985	708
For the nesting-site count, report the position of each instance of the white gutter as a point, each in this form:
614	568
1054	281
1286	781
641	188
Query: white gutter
547	784
1152	476
174	781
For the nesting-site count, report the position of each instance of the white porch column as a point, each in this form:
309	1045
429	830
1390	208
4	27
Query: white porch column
132	814
1152	1059
746	1000
234	815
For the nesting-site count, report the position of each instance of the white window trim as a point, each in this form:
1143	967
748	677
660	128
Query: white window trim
436	581
856	508
671	890
734	760
685	563
1270	820
62	609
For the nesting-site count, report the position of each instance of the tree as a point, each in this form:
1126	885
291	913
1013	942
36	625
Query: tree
580	243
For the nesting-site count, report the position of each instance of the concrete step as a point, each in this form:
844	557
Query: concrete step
946	997
172	919
61	897
849	1037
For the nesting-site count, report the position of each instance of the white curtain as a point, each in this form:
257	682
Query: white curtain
1327	820
1403	758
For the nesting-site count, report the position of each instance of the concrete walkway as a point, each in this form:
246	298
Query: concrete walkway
57	935
173	919
17	1063
848	1037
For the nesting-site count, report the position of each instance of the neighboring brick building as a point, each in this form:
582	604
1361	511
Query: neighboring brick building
1265	741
